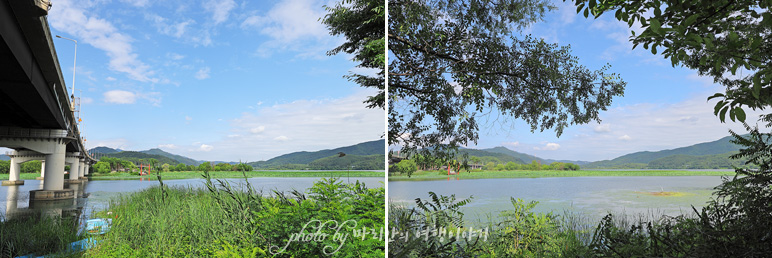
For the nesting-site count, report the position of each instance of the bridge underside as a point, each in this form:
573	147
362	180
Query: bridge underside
31	86
36	115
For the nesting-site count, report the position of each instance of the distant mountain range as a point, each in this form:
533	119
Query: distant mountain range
363	156
358	153
708	155
369	155
713	154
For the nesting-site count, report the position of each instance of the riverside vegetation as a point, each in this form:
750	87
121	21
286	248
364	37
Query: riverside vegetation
224	221
219	220
736	223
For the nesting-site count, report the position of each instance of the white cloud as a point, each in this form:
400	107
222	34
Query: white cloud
649	127
203	73
604	128
101	34
220	9
205	147
110	78
550	146
137	3
257	130
513	144
120	97
175	56
127	97
294	25
301	125
167	146
86	100
188	118
166	27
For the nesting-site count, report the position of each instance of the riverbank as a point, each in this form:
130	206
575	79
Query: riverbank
217	221
218	174
441	175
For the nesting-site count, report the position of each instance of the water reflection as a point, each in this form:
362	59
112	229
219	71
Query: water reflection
17	202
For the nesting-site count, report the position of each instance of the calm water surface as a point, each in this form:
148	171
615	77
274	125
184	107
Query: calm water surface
16	198
592	196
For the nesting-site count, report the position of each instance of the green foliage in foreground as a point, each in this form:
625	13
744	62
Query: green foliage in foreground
36	233
229	221
516	232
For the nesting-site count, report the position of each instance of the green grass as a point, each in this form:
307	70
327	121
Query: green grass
34	233
218	174
219	222
441	175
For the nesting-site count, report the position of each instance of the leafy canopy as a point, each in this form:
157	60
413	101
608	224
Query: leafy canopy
362	23
727	40
453	62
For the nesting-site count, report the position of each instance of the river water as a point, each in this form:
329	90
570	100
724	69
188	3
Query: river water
593	197
96	195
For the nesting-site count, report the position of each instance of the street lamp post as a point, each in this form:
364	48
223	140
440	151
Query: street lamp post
74	60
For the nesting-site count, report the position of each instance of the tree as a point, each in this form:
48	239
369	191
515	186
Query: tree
362	23
180	167
206	167
455	61
406	166
165	167
102	167
5	166
716	38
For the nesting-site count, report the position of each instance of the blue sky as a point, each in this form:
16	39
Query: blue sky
663	107
213	79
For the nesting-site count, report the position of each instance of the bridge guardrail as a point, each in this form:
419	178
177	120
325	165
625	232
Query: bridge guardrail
32	133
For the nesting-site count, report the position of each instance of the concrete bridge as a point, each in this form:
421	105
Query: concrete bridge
37	117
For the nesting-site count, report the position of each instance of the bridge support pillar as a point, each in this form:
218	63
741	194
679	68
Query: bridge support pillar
13	178
81	169
74	162
53	185
42	170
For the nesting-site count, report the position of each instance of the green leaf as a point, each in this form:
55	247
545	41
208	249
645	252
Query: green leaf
740	114
716	96
654	50
722	114
733	37
756	86
718	107
689	21
732	114
655	25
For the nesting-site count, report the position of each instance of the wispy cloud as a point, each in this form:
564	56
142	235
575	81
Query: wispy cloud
120	97
291	24
220	9
128	97
101	34
302	125
648	127
202	73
